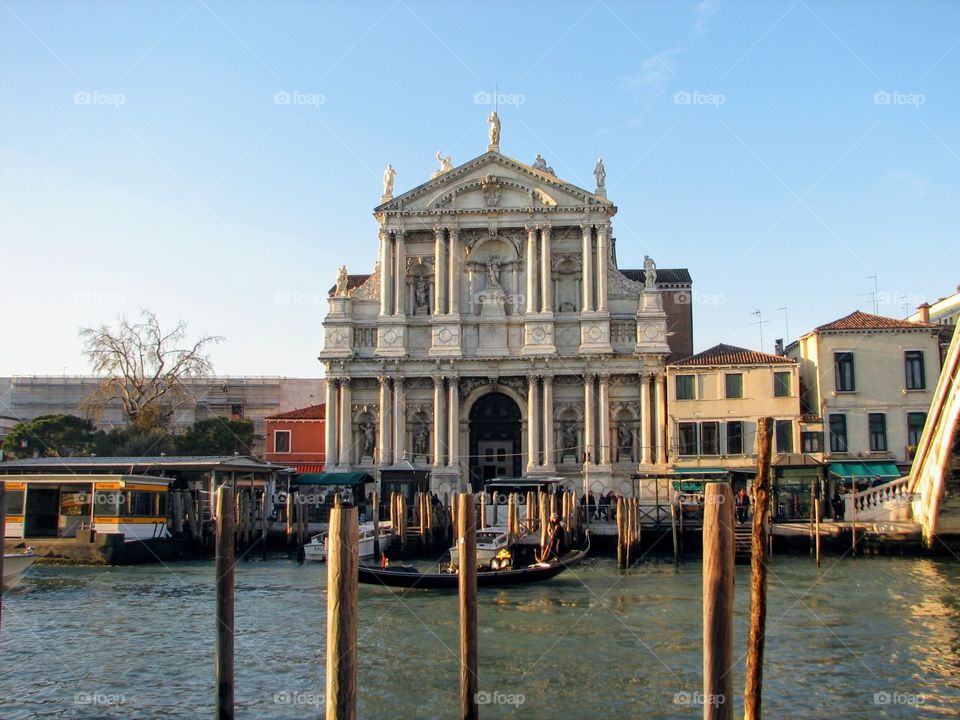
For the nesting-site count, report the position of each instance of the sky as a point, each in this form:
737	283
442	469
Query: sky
217	161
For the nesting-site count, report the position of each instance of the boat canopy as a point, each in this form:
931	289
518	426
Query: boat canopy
333	478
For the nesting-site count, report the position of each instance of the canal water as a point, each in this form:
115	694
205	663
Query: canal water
864	638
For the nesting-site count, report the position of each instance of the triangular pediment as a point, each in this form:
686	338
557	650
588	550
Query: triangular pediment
493	182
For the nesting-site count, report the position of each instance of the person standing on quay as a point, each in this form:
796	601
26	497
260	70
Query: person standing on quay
742	505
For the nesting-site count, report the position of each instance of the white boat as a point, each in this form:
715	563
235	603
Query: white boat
316	549
490	541
15	564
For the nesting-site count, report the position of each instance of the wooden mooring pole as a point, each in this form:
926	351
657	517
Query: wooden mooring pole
342	560
467	547
289	520
375	514
718	559
3	536
224	607
758	574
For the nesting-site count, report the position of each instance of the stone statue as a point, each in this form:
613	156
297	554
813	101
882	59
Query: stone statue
388	175
539	163
568	438
420	440
446	163
494	121
342	278
367	439
624	437
649	273
600	173
422	293
493	272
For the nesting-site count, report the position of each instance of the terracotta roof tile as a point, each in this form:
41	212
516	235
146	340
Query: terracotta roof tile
731	355
865	321
353	281
314	412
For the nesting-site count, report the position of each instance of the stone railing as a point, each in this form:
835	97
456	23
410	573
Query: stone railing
365	337
889	501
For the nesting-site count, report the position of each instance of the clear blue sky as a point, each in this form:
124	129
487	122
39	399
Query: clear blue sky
144	161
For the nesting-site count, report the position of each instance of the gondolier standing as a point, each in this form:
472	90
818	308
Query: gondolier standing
555	543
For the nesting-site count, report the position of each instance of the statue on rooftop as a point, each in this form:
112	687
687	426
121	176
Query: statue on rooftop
600	173
446	163
342	279
494	121
649	273
388	175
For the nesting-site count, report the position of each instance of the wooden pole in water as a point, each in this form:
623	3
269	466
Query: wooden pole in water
853	518
402	516
621	555
752	695
531	511
816	504
3	536
289	519
718	558
375	514
342	560
224	606
673	532
543	522
263	524
467	547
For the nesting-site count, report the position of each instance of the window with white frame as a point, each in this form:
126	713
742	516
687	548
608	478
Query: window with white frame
281	441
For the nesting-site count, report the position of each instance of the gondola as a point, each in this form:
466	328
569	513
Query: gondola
408	577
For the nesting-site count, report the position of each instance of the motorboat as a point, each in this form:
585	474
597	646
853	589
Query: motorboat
490	542
14	565
316	549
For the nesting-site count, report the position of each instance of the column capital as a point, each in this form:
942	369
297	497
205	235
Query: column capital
547	378
383	380
437	381
438	230
454	231
345	381
531	229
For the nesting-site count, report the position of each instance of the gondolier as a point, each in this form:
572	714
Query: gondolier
556	541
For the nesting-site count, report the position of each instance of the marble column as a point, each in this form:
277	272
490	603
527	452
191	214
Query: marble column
456	252
440	268
548	452
533	424
399	420
383	432
646	427
604	411
546	271
346	424
588	410
330	425
661	386
587	269
386	257
437	421
602	250
531	268
453	422
400	275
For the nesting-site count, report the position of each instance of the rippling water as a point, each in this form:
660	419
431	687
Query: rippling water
865	638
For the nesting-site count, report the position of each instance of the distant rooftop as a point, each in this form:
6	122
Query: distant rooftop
664	275
313	412
139	465
865	321
732	355
353	281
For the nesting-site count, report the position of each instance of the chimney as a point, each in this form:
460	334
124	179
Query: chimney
924	312
778	346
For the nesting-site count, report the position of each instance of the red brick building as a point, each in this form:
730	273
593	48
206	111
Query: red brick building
296	438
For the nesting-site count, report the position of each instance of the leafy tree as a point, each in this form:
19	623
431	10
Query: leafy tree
52	436
144	368
216	436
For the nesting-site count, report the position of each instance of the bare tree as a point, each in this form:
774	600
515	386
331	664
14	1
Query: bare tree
144	368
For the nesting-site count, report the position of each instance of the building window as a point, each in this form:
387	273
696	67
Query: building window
878	432
687	439
913	359
838	433
915	423
710	438
281	441
735	437
811	441
843	364
734	383
781	384
684	387
783	429
236	412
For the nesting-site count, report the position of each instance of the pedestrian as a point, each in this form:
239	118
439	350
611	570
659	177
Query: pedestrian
839	506
742	505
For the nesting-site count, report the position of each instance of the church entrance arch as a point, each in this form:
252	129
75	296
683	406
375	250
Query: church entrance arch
495	439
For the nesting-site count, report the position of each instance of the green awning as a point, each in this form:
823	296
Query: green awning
698	471
871	470
333	478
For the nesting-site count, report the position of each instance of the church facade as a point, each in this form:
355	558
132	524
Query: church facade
496	336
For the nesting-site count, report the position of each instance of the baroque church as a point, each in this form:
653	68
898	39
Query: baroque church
497	337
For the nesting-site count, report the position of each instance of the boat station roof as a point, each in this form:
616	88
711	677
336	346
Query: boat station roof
72	479
140	465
